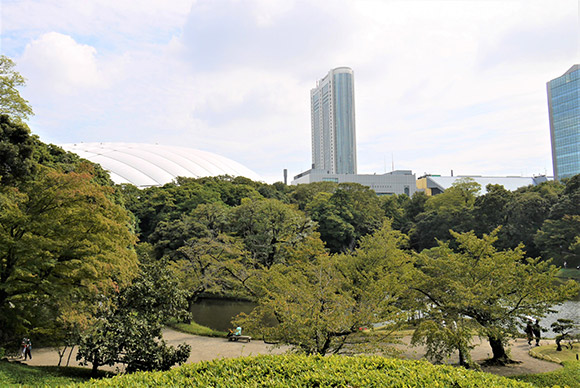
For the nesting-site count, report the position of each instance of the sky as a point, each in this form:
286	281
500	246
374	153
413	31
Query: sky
440	85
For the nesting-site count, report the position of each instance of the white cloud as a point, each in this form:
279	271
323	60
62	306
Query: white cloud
55	63
441	85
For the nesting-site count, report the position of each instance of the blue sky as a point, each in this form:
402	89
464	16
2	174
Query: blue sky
440	85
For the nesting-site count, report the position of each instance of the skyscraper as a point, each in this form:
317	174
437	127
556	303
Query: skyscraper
564	109
333	123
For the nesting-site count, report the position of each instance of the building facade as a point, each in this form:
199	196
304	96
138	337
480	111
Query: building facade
395	182
564	110
333	123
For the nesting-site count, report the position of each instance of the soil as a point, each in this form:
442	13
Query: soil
208	348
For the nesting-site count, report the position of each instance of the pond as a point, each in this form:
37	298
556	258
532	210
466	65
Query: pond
568	310
217	314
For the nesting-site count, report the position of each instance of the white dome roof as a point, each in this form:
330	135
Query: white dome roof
145	165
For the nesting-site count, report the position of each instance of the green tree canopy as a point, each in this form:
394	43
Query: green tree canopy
127	326
62	242
318	306
16	148
495	289
11	102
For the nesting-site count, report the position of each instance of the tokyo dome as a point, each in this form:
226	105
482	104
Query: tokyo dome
145	165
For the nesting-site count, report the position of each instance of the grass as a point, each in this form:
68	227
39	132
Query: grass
16	374
196	329
569	273
568	376
548	352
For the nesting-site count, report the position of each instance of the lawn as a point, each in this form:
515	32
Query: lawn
548	352
196	329
16	374
569	273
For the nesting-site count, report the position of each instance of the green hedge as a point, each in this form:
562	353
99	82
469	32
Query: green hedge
569	376
311	371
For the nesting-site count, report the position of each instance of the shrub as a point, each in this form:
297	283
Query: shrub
311	371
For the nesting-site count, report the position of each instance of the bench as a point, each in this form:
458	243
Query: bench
246	338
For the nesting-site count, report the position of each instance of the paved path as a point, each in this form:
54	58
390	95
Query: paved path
208	348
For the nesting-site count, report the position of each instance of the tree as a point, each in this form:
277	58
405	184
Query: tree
63	241
564	328
556	237
16	148
127	326
525	214
449	210
11	102
319	306
335	231
344	216
270	230
496	289
489	209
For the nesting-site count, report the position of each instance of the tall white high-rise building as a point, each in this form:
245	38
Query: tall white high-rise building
333	123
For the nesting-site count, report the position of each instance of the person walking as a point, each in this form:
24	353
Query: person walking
529	332
28	349
537	332
23	348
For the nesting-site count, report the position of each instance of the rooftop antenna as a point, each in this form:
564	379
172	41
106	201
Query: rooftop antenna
392	162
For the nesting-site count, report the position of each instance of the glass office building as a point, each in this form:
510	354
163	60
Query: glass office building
333	123
564	109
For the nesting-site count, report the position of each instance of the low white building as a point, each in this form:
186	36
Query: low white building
395	182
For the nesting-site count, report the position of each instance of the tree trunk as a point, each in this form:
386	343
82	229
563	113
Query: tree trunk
462	361
558	344
500	356
95	367
70	354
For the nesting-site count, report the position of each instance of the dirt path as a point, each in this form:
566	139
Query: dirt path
519	351
208	348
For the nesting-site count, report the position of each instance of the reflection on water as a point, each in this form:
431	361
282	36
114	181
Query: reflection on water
217	314
568	310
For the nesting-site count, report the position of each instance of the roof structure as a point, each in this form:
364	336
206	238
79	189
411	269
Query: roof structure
145	165
509	183
573	68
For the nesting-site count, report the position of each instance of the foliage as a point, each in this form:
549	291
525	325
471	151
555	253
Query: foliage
565	377
564	328
43	376
345	215
443	337
320	305
11	102
559	232
496	289
63	241
270	230
449	210
312	371
211	265
127	328
16	148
